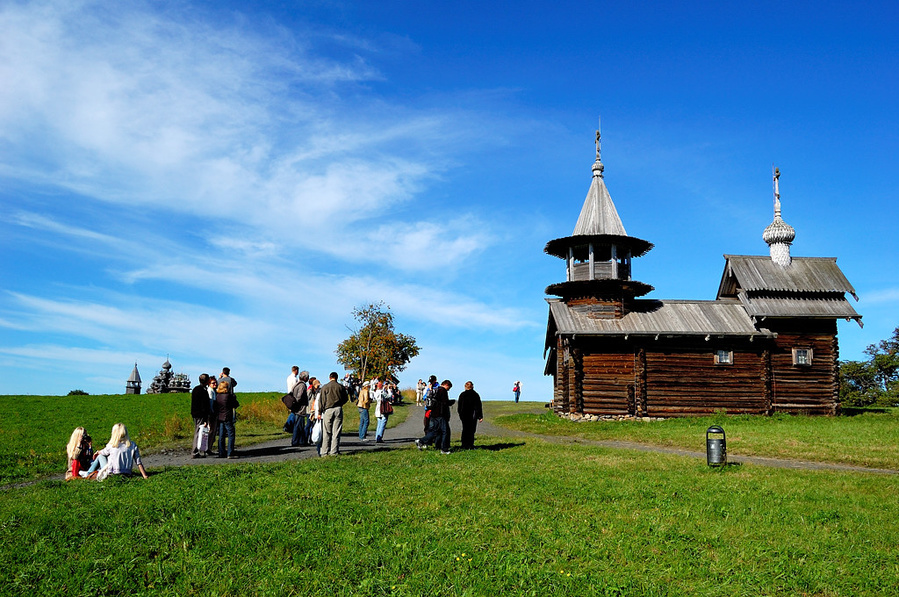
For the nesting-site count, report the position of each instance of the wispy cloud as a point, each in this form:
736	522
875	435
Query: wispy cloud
135	108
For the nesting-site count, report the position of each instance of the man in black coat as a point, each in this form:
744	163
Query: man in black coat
470	413
199	411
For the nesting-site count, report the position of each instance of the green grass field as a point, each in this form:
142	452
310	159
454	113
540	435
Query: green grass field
34	430
518	517
868	439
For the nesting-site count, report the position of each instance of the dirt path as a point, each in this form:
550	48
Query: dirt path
280	450
405	433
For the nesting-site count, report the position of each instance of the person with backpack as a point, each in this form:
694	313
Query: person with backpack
299	409
438	430
383	410
516	391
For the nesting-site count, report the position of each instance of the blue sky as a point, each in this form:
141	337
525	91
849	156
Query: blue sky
223	182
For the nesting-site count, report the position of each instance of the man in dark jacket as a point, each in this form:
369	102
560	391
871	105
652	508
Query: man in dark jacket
199	411
470	413
333	397
438	428
300	409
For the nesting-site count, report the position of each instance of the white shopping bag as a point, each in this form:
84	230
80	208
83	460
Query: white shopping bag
203	438
317	432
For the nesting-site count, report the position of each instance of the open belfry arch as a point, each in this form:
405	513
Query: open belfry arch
767	343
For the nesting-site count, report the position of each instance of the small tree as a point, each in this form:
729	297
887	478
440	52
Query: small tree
374	348
875	381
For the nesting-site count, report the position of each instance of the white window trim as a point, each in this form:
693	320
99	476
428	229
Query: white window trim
811	356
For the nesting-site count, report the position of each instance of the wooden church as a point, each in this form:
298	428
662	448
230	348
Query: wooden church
766	344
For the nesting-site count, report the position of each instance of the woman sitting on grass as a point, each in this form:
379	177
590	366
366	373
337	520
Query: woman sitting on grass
80	451
121	453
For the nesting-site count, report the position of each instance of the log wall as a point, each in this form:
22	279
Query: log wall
608	384
688	382
805	389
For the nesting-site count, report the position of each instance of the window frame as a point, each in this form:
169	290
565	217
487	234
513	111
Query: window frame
728	360
809	353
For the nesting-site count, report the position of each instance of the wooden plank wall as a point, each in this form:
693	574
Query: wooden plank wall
560	396
811	389
687	382
608	386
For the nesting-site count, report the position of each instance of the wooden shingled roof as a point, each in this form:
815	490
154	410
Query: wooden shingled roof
805	274
808	287
653	317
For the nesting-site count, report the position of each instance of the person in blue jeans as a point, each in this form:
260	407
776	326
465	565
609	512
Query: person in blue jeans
516	390
362	403
225	403
381	397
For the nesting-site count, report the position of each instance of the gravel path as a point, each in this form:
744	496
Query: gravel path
405	433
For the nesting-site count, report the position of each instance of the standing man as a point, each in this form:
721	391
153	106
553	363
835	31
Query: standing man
199	411
300	409
225	403
333	397
362	403
516	390
292	378
438	427
470	413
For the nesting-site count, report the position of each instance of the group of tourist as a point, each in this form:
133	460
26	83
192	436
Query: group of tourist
315	418
436	401
315	411
119	457
212	404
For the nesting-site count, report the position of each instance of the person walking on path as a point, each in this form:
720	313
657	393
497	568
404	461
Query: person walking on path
516	390
199	411
383	410
333	397
438	426
362	403
470	413
300	409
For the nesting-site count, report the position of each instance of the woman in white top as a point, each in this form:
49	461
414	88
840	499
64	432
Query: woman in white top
381	399
122	454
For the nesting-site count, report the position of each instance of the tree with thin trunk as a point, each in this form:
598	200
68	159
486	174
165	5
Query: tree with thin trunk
374	348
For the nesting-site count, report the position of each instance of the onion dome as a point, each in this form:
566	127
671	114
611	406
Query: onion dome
779	235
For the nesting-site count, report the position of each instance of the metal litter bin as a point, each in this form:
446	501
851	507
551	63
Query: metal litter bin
715	446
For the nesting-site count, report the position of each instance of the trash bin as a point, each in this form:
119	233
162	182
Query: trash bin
715	446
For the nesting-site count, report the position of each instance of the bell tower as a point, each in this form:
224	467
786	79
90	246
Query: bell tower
598	254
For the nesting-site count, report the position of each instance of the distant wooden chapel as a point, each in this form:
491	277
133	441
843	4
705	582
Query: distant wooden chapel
766	344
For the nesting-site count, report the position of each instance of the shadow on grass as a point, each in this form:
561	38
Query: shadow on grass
499	446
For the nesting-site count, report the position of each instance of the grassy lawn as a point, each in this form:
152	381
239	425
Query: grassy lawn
34	430
867	439
518	518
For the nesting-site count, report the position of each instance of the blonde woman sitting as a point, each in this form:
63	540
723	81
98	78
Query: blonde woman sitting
122	454
80	452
